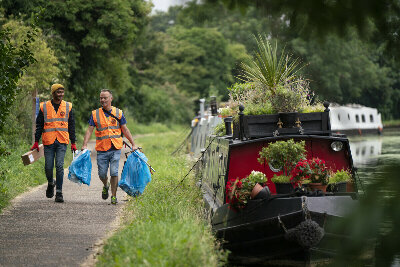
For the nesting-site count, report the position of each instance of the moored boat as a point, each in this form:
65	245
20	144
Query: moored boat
355	119
278	229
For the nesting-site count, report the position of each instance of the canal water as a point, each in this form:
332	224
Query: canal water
372	153
375	157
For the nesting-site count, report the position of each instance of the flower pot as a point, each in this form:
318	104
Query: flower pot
341	187
256	189
284	188
350	187
288	119
263	194
317	186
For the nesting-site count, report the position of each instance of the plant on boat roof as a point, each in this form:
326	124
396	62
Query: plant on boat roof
283	154
268	70
271	83
340	176
239	191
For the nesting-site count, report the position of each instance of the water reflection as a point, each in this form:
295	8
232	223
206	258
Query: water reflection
366	152
375	151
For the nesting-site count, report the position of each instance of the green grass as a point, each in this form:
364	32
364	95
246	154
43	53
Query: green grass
165	226
15	178
391	123
137	128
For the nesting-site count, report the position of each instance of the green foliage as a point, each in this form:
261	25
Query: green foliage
39	75
269	70
283	154
93	41
219	130
340	176
280	179
164	226
158	103
14	60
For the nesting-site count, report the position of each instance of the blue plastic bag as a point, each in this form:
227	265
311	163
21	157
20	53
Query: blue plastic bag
135	175
80	170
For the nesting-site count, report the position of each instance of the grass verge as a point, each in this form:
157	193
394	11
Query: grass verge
15	178
165	226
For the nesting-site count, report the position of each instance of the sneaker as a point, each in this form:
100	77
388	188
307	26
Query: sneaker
59	197
50	190
104	193
114	200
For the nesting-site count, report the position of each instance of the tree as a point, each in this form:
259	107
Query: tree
14	62
93	41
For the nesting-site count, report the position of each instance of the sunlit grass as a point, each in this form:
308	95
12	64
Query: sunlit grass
165	226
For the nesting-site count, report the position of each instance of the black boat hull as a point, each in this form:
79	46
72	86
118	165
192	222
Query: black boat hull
262	233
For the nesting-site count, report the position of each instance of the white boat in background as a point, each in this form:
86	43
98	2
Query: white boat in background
355	119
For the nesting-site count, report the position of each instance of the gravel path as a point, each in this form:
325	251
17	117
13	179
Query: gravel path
36	231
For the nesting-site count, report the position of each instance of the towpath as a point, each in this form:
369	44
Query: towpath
36	231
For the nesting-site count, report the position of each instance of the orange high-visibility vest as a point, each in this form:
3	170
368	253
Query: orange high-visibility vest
108	129
55	124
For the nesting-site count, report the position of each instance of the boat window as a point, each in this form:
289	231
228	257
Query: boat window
338	116
348	116
371	118
363	118
357	151
357	118
372	150
363	150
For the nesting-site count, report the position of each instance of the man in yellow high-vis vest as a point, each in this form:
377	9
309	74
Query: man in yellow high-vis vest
109	129
55	123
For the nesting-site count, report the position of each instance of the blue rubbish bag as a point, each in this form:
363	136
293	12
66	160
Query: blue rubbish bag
135	175
80	170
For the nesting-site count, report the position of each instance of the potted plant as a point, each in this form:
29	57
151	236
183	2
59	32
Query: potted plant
339	180
314	170
282	184
241	191
283	155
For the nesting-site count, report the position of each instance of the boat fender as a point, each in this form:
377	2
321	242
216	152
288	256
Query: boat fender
307	233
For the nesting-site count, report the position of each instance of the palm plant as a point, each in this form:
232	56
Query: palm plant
268	70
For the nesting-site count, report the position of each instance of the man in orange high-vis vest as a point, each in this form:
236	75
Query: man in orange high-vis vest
56	125
109	129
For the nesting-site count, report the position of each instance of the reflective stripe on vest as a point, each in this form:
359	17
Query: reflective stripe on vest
55	123
106	134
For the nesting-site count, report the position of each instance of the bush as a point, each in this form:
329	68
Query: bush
159	103
340	176
280	179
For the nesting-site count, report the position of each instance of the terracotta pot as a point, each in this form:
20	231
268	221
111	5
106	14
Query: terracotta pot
256	189
350	187
317	186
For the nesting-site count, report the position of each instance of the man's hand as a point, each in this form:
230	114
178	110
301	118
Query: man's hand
35	146
73	147
83	147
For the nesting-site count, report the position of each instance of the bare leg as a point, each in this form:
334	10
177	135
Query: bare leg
104	181
114	185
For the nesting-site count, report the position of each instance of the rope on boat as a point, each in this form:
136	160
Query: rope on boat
179	148
194	165
308	233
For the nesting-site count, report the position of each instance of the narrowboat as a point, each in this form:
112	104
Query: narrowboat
355	119
292	229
